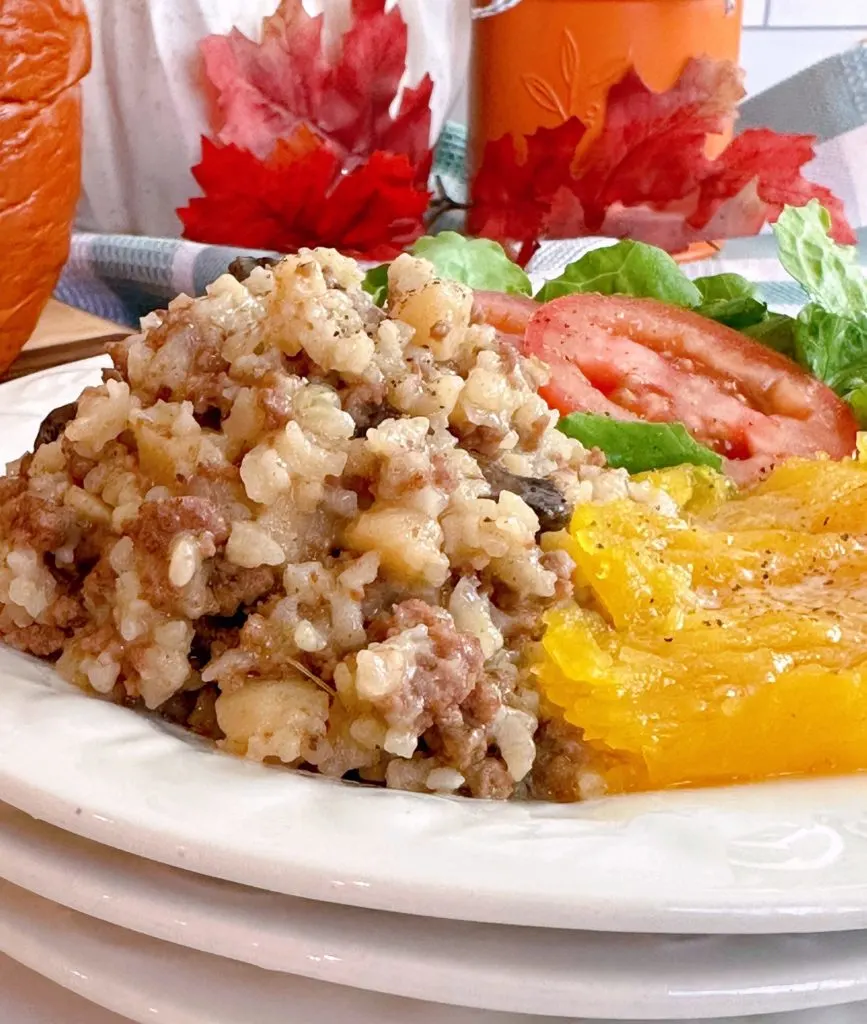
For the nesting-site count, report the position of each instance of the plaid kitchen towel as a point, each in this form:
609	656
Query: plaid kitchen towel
123	277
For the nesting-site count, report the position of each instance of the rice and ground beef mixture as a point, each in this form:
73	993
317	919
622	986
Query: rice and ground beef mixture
309	530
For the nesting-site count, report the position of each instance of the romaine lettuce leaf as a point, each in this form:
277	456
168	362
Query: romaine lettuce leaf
736	313
731	300
637	446
833	348
375	283
827	271
718	287
643	271
858	400
777	331
477	262
625	268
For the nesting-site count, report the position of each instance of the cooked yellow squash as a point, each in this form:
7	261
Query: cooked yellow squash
725	643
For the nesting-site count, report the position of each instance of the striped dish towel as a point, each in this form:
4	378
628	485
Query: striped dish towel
124	277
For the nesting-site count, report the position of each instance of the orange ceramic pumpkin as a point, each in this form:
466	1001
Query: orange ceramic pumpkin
44	54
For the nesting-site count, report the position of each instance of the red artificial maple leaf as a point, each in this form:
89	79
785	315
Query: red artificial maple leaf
512	192
302	196
264	90
773	162
653	143
646	174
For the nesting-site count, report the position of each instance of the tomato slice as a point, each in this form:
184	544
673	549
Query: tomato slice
641	359
509	314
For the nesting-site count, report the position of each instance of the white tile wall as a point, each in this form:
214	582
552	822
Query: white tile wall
821	13
755	12
781	37
772	54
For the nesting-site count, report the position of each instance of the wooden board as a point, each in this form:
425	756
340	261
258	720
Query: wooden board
64	335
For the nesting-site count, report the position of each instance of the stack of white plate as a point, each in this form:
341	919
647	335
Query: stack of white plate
149	874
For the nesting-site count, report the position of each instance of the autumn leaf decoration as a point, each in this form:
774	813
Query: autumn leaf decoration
310	150
307	151
646	174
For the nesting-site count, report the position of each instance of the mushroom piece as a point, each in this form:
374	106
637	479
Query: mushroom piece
543	497
242	267
54	424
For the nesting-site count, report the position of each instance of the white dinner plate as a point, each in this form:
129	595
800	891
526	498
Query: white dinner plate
28	998
525	970
779	857
150	981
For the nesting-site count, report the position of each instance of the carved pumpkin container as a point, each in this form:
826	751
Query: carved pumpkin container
44	54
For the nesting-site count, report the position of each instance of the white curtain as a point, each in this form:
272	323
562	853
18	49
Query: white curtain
144	110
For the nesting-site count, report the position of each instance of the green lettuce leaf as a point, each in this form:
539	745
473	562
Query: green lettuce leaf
637	446
375	283
736	313
643	271
858	400
477	262
828	272
719	287
833	348
625	268
830	333
777	331
731	300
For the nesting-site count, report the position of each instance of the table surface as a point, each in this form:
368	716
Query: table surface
60	324
63	335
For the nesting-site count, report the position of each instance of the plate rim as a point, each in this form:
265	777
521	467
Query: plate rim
92	959
69	787
47	769
522	970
